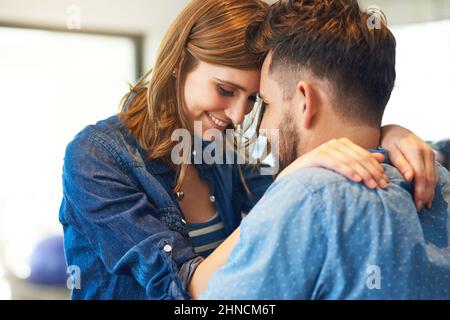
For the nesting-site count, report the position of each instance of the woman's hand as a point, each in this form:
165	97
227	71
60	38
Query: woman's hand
414	159
346	158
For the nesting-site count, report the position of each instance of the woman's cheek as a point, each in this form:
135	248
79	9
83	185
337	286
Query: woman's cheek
216	103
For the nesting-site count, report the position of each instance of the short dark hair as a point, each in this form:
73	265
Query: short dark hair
335	40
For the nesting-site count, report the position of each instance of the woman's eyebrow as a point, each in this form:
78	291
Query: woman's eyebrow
231	84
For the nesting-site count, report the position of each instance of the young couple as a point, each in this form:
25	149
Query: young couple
141	227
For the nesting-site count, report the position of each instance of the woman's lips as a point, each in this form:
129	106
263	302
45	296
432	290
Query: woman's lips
217	123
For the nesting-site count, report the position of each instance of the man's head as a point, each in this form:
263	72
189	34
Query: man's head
328	70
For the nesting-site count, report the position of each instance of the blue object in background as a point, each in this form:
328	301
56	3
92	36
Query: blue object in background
47	262
444	149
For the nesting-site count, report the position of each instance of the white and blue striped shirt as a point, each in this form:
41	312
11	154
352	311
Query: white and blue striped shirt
207	236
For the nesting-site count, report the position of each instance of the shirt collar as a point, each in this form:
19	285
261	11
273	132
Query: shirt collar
158	167
383	152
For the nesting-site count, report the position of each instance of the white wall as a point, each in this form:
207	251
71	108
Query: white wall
148	17
138	16
152	17
408	11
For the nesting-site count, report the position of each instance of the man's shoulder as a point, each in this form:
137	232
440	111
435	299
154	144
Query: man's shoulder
443	188
311	179
325	190
306	190
443	175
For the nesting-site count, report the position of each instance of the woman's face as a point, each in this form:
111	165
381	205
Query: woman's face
218	96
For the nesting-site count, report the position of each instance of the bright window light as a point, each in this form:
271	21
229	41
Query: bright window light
420	100
52	85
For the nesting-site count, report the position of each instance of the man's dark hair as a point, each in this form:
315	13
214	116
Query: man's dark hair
333	40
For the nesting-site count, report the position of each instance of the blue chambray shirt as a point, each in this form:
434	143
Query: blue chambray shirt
317	235
123	227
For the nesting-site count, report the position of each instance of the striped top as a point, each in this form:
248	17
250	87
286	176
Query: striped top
207	236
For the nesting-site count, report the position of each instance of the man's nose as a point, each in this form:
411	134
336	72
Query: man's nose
236	112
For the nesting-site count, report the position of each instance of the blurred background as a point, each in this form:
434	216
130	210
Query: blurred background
66	64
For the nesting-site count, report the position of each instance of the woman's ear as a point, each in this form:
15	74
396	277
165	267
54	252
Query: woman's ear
308	105
181	62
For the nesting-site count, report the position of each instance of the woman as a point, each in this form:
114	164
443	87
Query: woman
140	227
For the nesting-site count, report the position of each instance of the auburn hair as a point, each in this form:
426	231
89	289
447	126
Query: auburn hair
212	31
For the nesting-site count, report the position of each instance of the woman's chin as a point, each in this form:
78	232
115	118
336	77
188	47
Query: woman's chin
211	130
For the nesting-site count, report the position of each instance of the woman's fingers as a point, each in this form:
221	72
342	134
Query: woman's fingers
333	162
361	164
430	177
399	161
416	161
346	158
423	180
425	177
379	157
369	163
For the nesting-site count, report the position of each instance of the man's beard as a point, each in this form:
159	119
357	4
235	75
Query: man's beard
289	141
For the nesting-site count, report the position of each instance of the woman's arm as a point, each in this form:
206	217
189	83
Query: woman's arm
346	158
407	152
414	158
341	156
217	259
105	206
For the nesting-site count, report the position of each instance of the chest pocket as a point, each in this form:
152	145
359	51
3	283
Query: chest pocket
173	220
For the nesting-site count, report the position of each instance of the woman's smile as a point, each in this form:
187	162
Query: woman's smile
216	122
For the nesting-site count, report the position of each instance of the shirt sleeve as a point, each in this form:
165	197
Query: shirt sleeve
282	248
120	221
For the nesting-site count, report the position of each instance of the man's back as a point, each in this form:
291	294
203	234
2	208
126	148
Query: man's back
316	235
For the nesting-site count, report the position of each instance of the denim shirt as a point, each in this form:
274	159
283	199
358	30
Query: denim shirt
123	228
317	235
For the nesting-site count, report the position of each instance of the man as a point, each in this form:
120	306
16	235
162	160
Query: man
328	75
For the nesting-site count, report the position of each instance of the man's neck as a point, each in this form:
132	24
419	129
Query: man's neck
364	136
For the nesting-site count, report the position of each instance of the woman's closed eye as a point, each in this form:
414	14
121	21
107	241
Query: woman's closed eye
225	93
253	98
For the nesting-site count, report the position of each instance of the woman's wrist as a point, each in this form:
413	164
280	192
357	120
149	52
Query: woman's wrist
199	281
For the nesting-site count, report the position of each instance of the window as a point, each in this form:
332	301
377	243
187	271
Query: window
420	100
53	84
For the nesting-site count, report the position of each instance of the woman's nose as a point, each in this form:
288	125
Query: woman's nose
237	112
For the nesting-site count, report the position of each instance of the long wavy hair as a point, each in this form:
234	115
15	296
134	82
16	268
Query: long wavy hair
212	31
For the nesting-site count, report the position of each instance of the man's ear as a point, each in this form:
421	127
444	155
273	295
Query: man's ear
307	103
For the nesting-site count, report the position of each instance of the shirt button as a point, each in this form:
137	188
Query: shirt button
167	248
